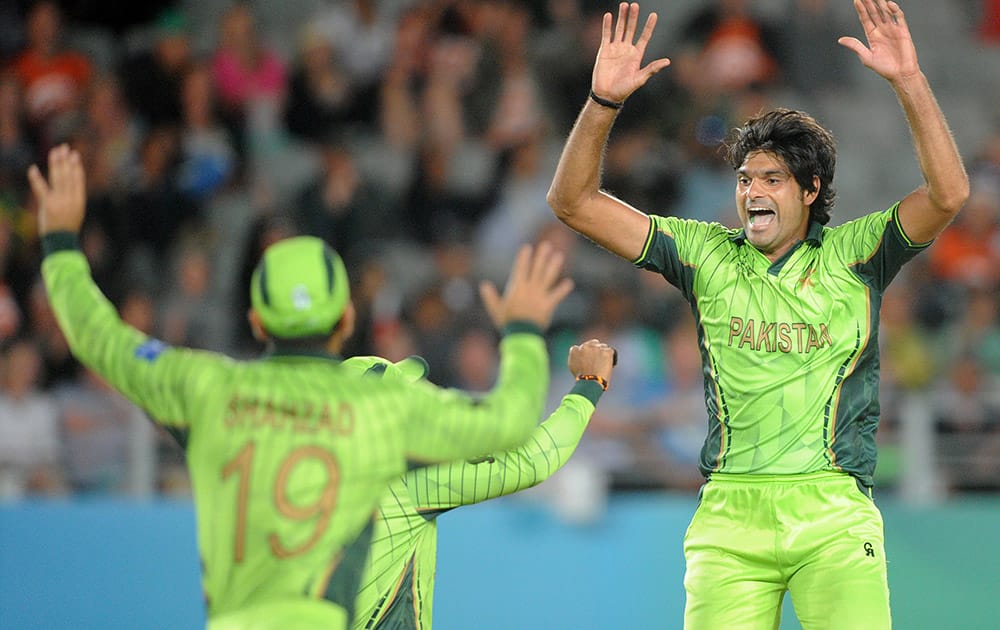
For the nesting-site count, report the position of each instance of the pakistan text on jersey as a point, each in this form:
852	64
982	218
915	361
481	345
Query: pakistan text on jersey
299	417
778	336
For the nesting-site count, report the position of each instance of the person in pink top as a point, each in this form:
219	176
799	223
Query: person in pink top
244	68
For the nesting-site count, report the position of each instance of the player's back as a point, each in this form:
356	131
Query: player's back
287	466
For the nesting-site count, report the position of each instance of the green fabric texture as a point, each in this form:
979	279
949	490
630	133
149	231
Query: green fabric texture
289	455
789	348
397	587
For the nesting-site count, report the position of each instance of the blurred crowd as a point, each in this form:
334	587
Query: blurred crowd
419	137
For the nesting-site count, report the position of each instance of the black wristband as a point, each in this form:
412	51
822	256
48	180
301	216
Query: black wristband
616	105
59	241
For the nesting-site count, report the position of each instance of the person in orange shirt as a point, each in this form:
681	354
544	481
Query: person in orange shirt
54	79
967	253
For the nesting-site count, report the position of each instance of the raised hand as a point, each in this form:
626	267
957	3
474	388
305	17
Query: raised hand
534	288
618	70
592	357
62	199
890	52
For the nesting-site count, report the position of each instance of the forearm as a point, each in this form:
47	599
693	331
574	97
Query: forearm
937	154
144	370
88	320
545	451
451	425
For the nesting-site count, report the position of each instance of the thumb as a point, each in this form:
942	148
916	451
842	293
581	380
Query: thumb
855	44
38	184
491	300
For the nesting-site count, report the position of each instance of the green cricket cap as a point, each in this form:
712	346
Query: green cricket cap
299	288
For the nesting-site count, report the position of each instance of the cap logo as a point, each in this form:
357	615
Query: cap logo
301	300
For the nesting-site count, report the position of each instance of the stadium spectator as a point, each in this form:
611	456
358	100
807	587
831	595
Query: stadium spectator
342	207
153	76
207	154
96	426
53	78
967	254
323	97
251	82
29	426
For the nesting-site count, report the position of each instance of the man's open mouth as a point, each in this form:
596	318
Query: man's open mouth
759	217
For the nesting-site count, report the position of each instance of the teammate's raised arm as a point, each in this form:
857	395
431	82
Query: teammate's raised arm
446	424
891	54
575	194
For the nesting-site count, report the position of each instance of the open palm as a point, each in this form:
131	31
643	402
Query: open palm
890	52
618	70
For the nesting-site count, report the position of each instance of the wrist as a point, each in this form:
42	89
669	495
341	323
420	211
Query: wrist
59	240
606	102
521	326
600	380
591	390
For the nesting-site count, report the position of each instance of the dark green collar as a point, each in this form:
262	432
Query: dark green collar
281	351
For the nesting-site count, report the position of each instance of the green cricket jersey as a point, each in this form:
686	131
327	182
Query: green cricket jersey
398	584
789	349
289	455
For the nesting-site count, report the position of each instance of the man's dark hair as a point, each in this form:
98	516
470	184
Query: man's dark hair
803	144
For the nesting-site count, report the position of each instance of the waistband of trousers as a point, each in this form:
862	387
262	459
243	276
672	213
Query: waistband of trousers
747	478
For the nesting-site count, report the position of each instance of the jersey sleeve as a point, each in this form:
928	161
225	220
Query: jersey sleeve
159	379
547	449
448	424
876	247
675	248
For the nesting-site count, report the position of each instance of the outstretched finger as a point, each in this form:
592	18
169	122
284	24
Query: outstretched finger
898	18
75	181
549	273
633	18
541	261
865	16
620	24
884	12
56	169
647	32
491	301
561	290
522	266
39	186
606	28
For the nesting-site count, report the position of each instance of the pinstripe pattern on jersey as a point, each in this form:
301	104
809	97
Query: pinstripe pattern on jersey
289	454
789	348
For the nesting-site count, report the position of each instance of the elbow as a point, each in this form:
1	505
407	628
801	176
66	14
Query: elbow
951	201
562	207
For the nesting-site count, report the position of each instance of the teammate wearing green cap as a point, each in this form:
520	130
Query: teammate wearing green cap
397	588
290	454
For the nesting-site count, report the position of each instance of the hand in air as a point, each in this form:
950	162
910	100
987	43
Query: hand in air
890	52
592	357
534	288
62	199
618	70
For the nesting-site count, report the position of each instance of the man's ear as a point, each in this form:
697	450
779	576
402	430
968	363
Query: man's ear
348	321
256	326
342	330
809	197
